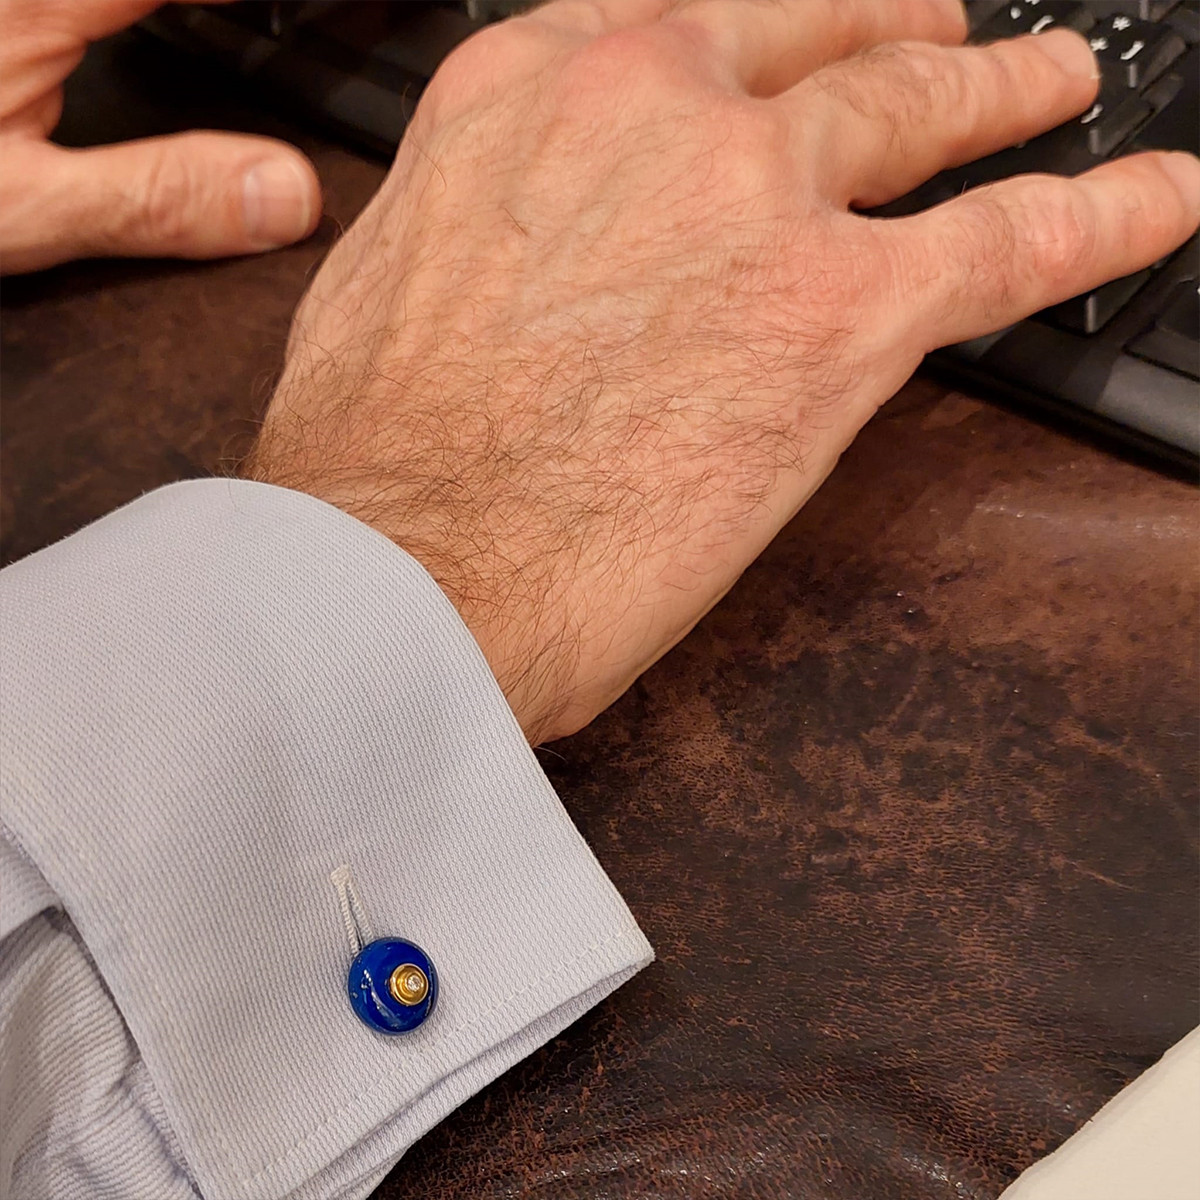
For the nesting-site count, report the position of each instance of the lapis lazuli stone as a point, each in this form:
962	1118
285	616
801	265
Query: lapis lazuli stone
370	996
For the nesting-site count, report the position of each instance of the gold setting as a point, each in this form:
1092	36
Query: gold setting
408	984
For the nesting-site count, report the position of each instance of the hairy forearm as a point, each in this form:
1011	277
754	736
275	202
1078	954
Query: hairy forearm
612	317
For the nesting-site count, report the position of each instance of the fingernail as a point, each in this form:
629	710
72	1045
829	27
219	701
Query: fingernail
1071	51
277	196
1183	170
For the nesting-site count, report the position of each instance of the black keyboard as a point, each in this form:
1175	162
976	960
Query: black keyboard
1123	359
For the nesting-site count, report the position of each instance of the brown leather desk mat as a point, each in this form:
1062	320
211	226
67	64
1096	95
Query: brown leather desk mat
911	818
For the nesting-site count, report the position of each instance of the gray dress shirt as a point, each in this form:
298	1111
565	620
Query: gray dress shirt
210	701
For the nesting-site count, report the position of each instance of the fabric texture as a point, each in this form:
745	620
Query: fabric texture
212	699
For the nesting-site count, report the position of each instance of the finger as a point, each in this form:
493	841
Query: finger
43	43
895	116
770	45
87	20
1004	251
192	195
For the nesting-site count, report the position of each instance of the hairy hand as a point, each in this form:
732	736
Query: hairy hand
194	195
613	316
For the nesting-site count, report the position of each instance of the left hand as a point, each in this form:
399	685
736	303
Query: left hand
190	195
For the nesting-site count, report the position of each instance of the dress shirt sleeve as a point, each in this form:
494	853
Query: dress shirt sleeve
210	700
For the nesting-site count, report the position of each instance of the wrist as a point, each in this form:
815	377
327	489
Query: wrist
530	655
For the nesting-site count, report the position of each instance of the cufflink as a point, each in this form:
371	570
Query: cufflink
393	985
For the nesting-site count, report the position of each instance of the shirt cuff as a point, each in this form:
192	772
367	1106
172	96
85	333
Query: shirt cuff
212	699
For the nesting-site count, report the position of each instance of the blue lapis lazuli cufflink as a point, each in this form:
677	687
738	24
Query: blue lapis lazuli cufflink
393	985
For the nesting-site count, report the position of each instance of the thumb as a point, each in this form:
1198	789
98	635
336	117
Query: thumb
189	195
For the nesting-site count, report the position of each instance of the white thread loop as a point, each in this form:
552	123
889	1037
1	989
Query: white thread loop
358	924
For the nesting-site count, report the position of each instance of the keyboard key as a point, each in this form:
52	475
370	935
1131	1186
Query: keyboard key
1093	310
1033	16
1182	314
1111	120
1174	340
1087	353
1164	116
1185	20
1137	52
1176	126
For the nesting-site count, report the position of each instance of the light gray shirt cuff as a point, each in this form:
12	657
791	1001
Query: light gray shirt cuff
213	698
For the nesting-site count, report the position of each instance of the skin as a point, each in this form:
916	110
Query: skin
611	319
613	315
187	196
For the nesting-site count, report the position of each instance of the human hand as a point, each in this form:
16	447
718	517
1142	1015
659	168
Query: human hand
192	195
612	317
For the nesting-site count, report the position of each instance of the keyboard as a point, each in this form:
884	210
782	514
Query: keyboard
1122	360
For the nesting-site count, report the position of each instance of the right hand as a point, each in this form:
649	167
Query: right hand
612	317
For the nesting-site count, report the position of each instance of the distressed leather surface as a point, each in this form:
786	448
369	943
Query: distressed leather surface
911	818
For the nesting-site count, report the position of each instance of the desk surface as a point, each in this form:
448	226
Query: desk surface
919	797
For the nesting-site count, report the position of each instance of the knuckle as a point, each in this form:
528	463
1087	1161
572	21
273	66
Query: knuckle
993	80
916	67
756	143
707	27
614	63
707	14
734	173
163	204
491	56
1155	207
899	86
995	232
985	236
996	65
1067	230
1039	233
848	83
1033	80
921	62
930	85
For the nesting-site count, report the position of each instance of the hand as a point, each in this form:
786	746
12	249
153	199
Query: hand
612	317
193	195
